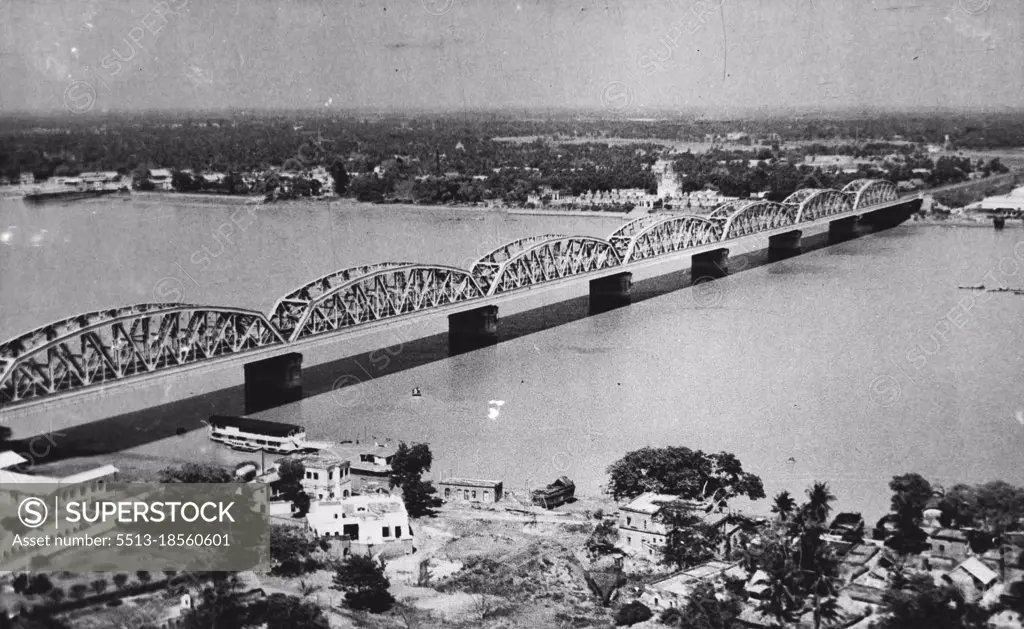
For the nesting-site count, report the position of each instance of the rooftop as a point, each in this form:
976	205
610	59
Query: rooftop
978	570
8	477
259	426
651	503
951	534
11	459
681	583
320	461
367	506
470	482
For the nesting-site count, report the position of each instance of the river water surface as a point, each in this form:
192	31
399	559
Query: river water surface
850	363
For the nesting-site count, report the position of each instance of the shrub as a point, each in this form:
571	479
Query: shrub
632	613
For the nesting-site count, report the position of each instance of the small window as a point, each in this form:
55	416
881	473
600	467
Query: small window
629	520
942	548
398	531
386	531
335	516
447	492
474	494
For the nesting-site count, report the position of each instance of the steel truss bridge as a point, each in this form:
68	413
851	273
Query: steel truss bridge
97	348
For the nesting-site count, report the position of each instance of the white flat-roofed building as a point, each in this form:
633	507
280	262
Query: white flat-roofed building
86	485
372	523
161	178
675	590
470	490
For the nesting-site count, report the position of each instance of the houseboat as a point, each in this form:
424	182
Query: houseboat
246	434
557	493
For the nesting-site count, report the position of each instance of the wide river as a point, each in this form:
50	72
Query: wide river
850	363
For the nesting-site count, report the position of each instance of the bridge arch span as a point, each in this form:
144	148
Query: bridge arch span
110	345
814	203
623	237
673	232
532	261
750	216
867	192
370	293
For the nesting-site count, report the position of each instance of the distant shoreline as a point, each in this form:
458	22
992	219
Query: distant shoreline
258	200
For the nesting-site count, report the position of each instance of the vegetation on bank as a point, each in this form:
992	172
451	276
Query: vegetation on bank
438	159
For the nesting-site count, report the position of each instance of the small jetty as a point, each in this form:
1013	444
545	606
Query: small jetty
975	287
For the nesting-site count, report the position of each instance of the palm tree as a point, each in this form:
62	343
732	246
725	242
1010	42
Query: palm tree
819	499
778	601
784	505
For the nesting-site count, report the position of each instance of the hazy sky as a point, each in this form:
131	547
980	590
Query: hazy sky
623	55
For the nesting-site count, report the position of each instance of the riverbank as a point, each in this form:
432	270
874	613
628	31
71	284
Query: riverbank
213	199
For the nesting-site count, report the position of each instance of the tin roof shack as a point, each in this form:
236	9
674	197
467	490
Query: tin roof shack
675	590
556	494
972	578
373	524
470	490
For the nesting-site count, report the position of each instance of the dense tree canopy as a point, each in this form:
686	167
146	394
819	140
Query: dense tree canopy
407	468
921	604
365	586
196	473
689	474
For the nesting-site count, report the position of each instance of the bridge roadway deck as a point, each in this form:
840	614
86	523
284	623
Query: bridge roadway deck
151	390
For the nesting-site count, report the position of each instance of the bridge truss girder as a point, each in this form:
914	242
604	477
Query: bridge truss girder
290	309
814	203
752	216
552	259
623	237
389	292
111	345
675	233
868	192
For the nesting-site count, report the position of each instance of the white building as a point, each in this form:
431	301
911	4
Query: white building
18	486
370	522
641	529
327	477
161	178
675	590
1013	201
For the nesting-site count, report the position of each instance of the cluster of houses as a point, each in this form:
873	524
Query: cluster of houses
99	180
594	199
162	179
866	566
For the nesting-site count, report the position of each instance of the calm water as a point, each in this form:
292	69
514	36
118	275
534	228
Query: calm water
849	364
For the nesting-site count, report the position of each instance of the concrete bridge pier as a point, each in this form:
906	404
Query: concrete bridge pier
712	264
273	382
472	329
842	229
610	292
784	245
